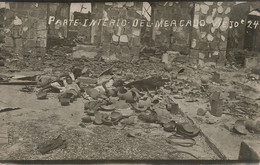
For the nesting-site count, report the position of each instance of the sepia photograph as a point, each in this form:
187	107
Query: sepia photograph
131	81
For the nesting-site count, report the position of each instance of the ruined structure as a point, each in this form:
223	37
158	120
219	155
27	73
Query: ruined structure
206	32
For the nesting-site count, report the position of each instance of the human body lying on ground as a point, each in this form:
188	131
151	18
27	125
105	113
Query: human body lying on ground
66	86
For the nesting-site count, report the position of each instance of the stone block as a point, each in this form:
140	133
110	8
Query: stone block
249	150
30	43
202	45
194	53
32	34
9	42
123	40
115	39
41	25
34	13
41	33
41	43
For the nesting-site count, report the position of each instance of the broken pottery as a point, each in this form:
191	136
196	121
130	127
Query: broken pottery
170	126
187	129
116	116
239	127
139	108
108	107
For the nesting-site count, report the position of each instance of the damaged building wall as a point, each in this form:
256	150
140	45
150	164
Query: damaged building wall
25	28
210	32
238	15
61	12
167	31
238	39
80	33
122	39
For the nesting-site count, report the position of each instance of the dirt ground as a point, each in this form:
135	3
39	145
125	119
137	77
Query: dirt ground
39	121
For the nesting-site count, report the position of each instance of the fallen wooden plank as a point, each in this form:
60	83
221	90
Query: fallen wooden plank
18	83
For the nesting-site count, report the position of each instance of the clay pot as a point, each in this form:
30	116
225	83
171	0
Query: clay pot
121	92
168	67
145	103
129	97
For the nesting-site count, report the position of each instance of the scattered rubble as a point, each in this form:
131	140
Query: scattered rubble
124	95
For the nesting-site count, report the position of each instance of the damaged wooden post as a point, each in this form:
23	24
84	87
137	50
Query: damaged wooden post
216	104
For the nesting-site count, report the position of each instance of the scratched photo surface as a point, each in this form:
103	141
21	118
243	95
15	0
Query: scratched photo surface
138	80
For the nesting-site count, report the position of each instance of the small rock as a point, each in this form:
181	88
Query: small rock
201	112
